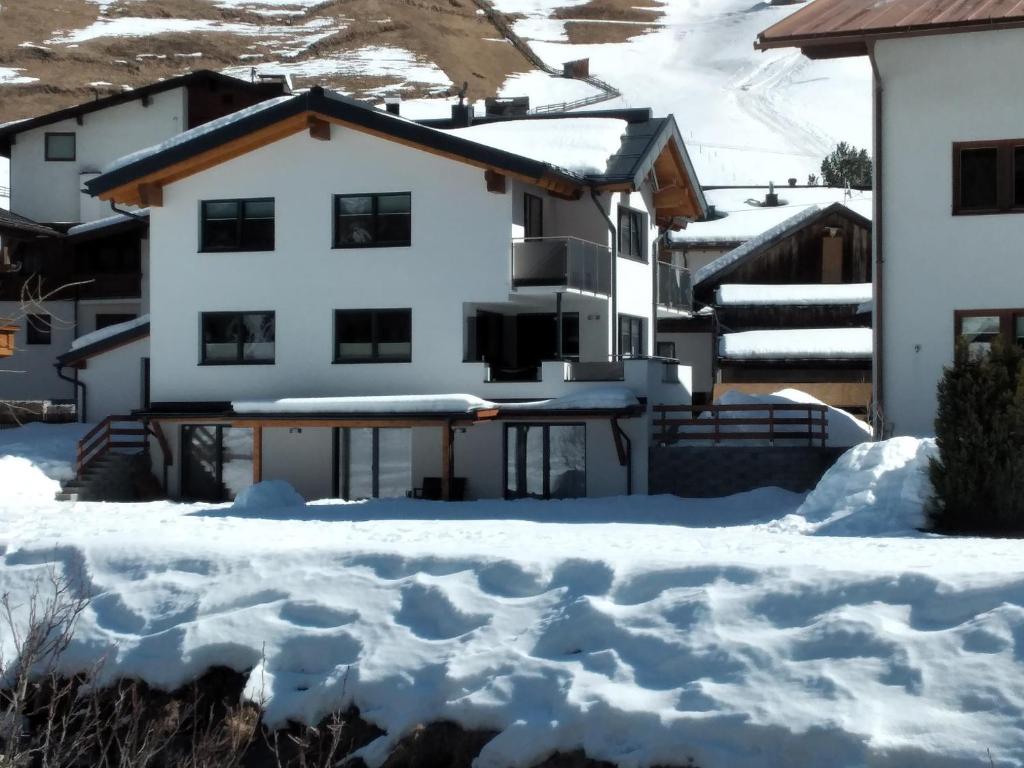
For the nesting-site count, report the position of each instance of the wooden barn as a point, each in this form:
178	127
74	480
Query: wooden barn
788	308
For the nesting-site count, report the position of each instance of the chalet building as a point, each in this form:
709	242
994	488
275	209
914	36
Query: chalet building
948	152
71	265
781	288
459	308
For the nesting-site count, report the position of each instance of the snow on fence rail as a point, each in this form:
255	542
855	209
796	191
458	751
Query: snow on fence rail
744	422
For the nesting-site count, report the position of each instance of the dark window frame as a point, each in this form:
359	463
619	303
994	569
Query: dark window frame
46	147
240	342
375	196
374	357
1006	322
341	478
239	224
637	234
39	329
546	458
631	319
529	225
659	345
1005	177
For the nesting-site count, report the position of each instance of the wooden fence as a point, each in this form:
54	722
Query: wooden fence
717	424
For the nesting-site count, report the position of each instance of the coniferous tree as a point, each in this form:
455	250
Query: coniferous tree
846	166
979	475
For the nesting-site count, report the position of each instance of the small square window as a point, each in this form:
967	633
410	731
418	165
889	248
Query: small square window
373	336
369	221
38	329
237	225
60	146
233	338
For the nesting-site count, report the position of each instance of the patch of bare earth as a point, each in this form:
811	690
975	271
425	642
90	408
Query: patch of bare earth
609	21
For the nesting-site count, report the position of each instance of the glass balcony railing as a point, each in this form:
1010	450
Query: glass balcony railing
675	287
562	262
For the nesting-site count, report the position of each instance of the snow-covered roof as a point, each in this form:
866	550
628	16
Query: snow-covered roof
745	217
109	221
797	343
597	398
110	331
732	294
581	145
754	244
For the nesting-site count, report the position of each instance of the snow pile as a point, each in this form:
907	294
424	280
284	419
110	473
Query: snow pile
844	429
50	448
595	398
270	494
22	482
875	489
797	343
581	145
108	221
109	332
751	295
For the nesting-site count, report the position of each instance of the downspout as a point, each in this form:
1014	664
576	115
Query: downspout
614	276
878	311
75	382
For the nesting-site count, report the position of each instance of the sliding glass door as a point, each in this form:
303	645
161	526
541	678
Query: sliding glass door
545	461
373	463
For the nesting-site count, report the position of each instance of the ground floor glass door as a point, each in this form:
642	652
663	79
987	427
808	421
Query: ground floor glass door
545	461
216	462
373	463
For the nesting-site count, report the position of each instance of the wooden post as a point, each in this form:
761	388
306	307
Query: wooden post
257	455
447	461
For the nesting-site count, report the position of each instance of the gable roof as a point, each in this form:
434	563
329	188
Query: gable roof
735	258
201	76
837	28
645	143
12	222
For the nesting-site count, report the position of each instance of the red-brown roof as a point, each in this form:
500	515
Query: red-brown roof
833	28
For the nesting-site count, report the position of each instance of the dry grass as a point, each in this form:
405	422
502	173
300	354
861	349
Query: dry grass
613	10
593	32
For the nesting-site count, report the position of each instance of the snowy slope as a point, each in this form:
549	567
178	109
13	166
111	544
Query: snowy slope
587	624
748	117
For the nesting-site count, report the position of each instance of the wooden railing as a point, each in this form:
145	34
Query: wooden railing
100	440
768	422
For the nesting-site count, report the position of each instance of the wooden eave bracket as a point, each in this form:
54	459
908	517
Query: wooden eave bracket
319	128
496	182
151	195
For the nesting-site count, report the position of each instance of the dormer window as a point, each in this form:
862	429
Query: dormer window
60	147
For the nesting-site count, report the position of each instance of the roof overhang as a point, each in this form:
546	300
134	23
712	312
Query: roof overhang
78	358
141	182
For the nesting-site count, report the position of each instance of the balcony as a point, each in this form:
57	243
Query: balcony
108	286
675	287
562	263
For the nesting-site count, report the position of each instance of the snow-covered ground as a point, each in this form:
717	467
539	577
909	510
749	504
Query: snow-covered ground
747	117
644	630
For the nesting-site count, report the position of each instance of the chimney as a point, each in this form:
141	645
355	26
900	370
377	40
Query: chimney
462	115
393	105
771	200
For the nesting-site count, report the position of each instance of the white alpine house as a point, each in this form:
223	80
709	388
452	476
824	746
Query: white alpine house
58	243
365	305
949	178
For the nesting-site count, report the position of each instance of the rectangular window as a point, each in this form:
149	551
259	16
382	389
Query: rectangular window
105	320
988	177
533	216
38	329
60	147
632	339
632	233
373	221
667	349
237	225
373	336
978	328
545	461
237	338
373	463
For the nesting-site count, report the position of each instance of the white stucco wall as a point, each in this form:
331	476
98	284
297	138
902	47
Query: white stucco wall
113	381
940	90
697	351
29	374
49	191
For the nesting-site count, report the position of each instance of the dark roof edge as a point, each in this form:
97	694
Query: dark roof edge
116	99
104	345
18	223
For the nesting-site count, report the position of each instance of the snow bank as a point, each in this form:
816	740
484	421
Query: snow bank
107	221
50	448
22	481
109	332
581	145
875	489
797	343
844	429
749	295
270	494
